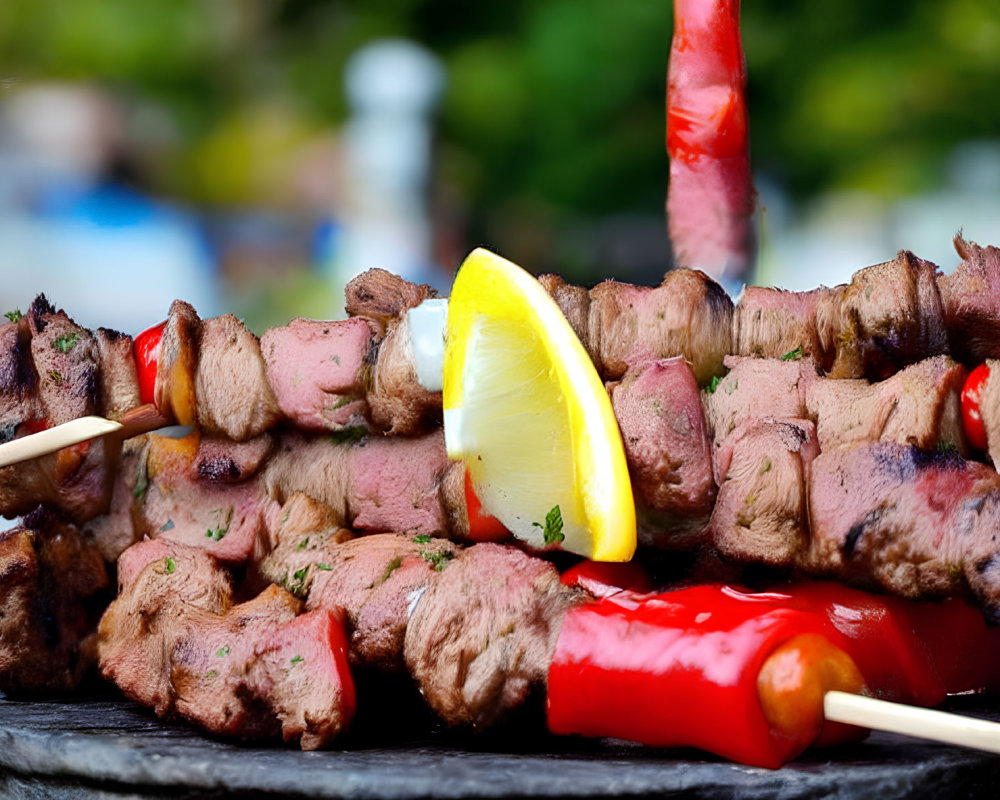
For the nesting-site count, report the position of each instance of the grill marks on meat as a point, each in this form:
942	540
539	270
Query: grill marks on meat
918	405
18	378
890	316
659	411
175	641
971	299
52	589
757	388
178	504
687	315
65	358
481	637
912	522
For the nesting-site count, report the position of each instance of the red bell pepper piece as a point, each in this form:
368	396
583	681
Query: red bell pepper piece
711	197
146	349
682	668
483	527
972	417
602	578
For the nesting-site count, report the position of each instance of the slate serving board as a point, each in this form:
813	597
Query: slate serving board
107	747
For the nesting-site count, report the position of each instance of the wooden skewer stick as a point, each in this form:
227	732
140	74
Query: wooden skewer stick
922	723
142	419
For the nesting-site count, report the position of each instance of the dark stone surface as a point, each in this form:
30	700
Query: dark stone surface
105	747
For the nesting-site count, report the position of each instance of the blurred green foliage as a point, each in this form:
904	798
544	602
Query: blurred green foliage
554	110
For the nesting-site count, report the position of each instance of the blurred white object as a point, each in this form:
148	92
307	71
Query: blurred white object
393	87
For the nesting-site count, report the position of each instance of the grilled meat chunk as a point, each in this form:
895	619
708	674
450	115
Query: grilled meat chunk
53	587
919	405
175	641
971	299
761	515
481	637
912	522
233	396
319	371
771	323
890	316
659	411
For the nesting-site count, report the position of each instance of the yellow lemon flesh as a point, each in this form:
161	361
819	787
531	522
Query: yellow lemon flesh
526	411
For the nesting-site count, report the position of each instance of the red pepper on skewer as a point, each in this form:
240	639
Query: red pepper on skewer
743	675
146	349
972	417
711	197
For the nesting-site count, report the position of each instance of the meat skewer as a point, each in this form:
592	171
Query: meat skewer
481	629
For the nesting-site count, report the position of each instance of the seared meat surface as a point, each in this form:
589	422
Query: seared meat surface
174	640
53	587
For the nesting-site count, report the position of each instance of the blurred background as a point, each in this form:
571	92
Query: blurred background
250	156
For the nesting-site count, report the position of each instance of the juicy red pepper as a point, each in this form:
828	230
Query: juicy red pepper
482	526
681	668
972	418
602	578
146	349
711	197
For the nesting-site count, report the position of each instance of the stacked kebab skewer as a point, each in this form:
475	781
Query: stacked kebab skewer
312	525
316	484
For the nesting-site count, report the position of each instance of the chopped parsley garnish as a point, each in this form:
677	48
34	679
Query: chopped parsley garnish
141	481
324	567
223	651
713	384
423	538
14	315
297	660
732	387
298	581
216	533
55	376
65	343
167	526
438	560
303	544
793	355
170	565
552	530
766	466
947	446
284	517
212	673
350	435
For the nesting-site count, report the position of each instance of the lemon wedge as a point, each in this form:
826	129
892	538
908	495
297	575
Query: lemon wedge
526	411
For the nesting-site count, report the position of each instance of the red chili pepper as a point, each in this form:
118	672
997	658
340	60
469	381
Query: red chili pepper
711	196
682	668
602	578
972	418
146	349
482	527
